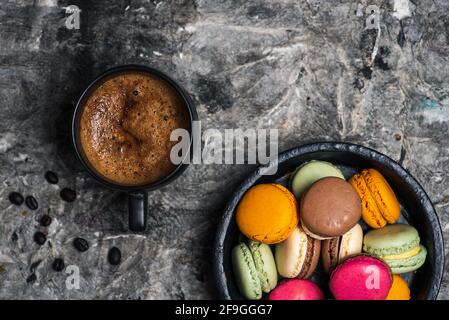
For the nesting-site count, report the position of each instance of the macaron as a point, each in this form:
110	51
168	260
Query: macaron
245	272
397	244
298	255
399	289
254	269
265	264
267	213
335	250
379	203
308	173
295	289
361	277
329	208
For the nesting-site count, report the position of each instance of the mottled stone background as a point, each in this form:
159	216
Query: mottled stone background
308	68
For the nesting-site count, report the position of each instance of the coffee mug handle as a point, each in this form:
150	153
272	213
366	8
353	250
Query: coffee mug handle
138	207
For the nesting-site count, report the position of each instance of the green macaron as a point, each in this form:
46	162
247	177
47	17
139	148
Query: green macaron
409	264
254	269
310	172
397	244
265	265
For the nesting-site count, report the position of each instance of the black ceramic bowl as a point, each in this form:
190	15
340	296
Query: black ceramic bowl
416	209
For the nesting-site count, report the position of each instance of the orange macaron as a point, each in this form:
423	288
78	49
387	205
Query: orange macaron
399	289
379	203
267	213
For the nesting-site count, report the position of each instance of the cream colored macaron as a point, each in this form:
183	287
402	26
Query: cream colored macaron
298	255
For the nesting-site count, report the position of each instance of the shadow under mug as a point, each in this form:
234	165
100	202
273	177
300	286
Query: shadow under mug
137	194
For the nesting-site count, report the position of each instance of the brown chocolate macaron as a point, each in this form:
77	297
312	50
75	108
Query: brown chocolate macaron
329	253
336	250
330	208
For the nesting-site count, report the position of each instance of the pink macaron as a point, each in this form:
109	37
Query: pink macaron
295	289
361	277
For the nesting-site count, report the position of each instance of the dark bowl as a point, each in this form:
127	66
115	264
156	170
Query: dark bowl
416	210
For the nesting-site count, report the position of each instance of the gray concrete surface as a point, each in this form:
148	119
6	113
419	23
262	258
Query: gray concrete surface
308	68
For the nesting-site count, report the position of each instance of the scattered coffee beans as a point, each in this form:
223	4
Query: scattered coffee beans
51	177
58	264
16	198
45	220
40	238
68	195
31	203
31	278
81	244
114	256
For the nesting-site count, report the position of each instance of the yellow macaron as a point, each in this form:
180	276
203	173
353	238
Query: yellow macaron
399	289
379	203
267	213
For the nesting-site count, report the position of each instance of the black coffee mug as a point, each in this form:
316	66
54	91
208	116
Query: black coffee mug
137	195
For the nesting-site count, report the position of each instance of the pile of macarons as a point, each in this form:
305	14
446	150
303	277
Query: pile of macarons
317	223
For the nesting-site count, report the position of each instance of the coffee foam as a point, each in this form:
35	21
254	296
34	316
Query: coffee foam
125	128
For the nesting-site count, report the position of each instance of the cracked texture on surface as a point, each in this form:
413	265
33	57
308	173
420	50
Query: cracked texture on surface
309	68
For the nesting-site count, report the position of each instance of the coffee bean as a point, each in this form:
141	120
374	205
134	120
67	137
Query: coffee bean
81	244
34	265
58	264
114	256
16	198
40	238
31	203
31	278
51	177
45	220
14	237
68	195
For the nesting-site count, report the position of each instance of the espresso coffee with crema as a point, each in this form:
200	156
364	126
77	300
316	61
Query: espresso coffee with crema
125	128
